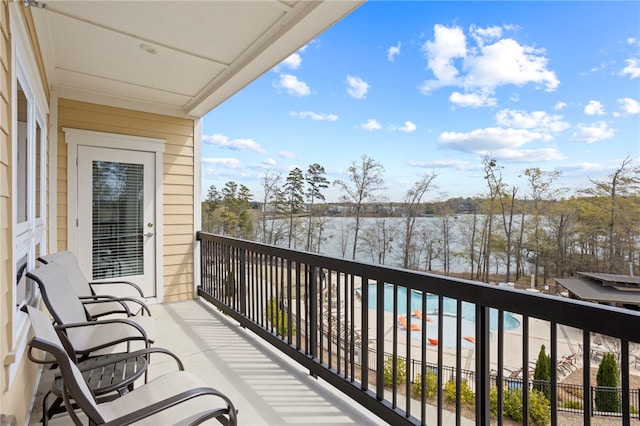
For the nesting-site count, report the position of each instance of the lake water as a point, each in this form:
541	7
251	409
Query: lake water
338	234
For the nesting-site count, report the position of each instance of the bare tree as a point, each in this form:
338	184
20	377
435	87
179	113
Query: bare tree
507	199
377	239
411	210
365	178
271	186
432	246
490	166
608	195
541	189
445	214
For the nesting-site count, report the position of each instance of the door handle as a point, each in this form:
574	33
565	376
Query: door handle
148	234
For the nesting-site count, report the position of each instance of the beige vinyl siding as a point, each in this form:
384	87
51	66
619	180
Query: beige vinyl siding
5	202
177	186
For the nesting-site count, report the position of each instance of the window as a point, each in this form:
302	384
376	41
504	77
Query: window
28	180
22	126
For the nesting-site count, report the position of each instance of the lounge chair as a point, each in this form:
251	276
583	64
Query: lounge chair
80	333
95	294
175	398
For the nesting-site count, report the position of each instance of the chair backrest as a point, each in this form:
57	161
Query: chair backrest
68	261
58	295
47	340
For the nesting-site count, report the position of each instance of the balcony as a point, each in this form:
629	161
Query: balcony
287	335
339	318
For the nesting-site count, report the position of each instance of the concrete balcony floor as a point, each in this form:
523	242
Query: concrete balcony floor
266	387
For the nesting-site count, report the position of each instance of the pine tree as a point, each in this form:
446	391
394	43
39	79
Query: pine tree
607	396
542	373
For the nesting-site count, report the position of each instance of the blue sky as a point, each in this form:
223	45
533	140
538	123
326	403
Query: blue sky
433	87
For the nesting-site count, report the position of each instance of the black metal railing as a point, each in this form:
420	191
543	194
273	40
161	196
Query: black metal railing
373	332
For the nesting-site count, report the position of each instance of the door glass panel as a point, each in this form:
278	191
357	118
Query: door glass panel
117	219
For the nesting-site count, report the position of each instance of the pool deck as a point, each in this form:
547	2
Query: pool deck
568	344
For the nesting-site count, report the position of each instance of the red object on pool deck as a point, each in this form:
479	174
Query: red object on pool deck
418	314
403	323
433	341
470	339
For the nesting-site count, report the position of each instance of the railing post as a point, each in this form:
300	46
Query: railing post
243	282
624	362
483	383
313	311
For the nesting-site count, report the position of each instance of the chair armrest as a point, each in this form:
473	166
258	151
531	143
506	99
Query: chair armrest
105	321
140	352
129	283
102	298
92	300
159	406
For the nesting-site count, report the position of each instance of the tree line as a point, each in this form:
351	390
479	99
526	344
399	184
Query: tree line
515	231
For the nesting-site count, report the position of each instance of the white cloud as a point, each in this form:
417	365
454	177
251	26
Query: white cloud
292	85
357	87
393	51
448	44
488	140
229	163
560	106
269	162
293	61
629	106
536	120
286	154
631	40
632	69
508	62
526	155
236	144
594	108
473	100
484	35
371	125
443	164
482	67
314	115
408	127
592	133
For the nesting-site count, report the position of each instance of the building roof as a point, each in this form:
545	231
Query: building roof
612	279
590	289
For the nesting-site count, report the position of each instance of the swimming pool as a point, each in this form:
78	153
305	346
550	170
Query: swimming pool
449	314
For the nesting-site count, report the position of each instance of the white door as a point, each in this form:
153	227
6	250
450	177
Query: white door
116	215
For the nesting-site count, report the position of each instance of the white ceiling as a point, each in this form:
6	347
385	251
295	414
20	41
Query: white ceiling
205	50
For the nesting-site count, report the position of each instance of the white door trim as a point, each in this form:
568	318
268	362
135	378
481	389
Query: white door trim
75	137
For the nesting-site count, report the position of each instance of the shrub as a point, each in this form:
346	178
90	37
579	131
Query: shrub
467	397
278	318
542	373
539	410
493	401
401	371
513	404
430	386
607	399
230	284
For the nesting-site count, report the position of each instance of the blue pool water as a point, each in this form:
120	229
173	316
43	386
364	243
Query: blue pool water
448	318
